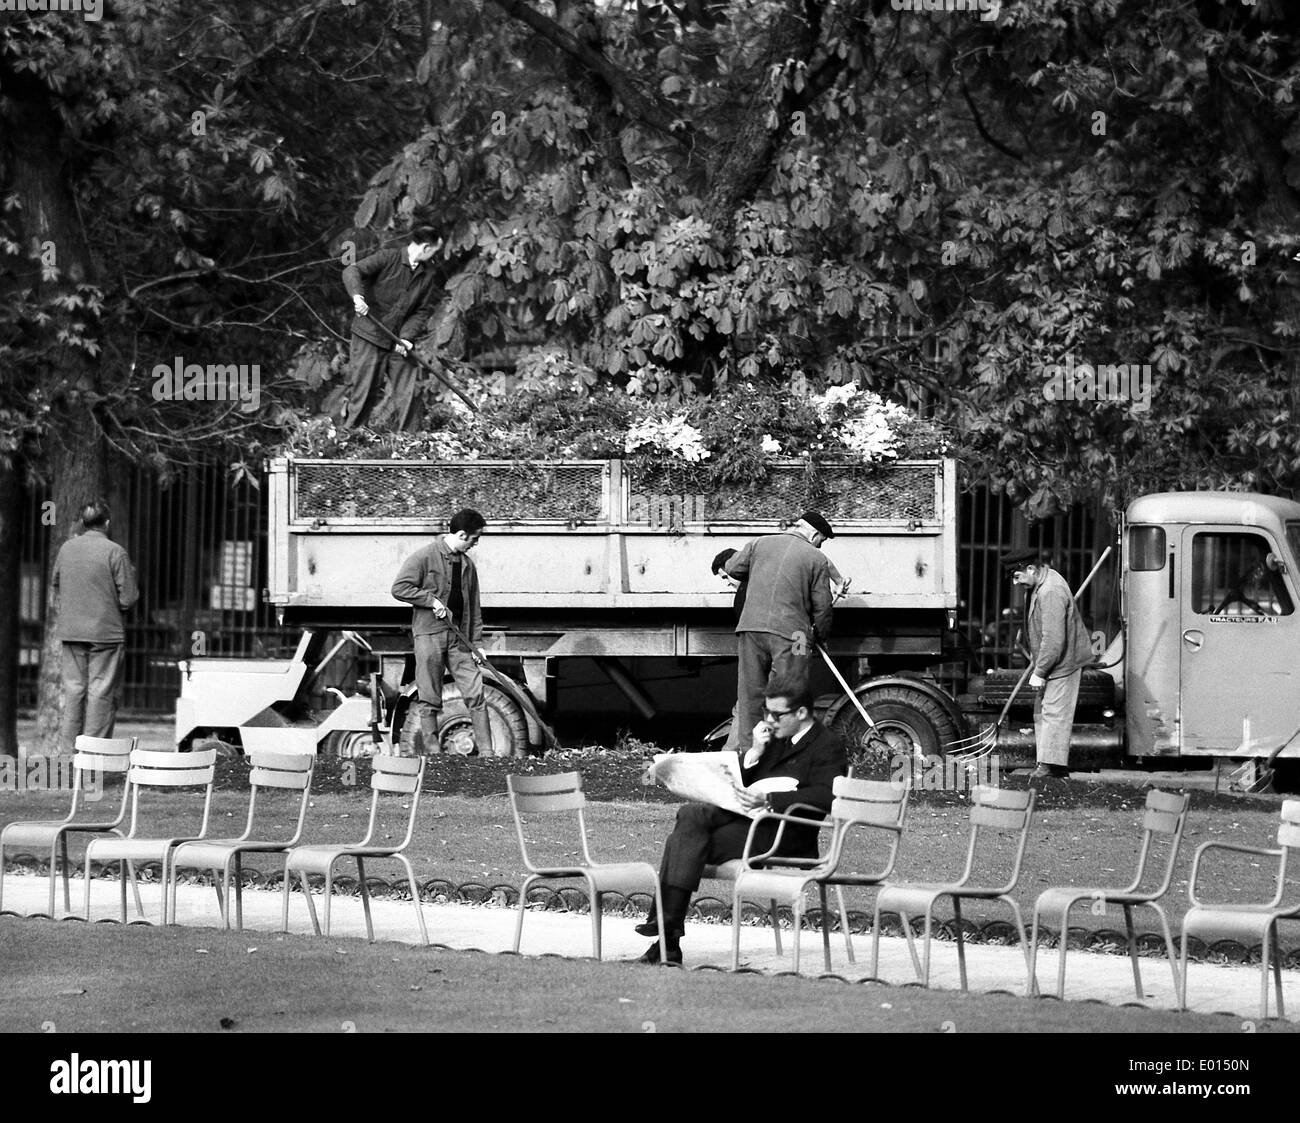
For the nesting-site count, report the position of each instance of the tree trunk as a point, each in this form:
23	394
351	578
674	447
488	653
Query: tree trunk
75	446
11	505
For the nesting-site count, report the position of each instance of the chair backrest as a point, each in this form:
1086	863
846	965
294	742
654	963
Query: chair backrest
1165	816
99	756
536	795
1007	812
867	803
151	768
398	776
1288	833
285	771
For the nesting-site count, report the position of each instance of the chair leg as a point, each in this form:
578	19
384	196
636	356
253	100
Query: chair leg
121	877
311	905
239	892
67	871
826	925
961	940
596	900
87	879
365	897
776	927
1277	973
1020	928
415	897
1265	948
54	875
735	925
929	925
284	912
1133	952
1182	973
221	886
797	911
1031	982
135	888
1169	944
844	923
523	898
911	943
875	942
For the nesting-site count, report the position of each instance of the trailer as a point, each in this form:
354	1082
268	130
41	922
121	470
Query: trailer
588	564
584	564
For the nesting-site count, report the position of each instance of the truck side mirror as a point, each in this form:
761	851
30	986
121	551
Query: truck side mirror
1274	563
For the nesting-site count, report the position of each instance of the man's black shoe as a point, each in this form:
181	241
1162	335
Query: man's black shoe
1050	772
652	954
648	927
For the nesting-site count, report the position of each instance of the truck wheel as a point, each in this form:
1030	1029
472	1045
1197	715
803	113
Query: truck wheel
456	732
910	724
349	744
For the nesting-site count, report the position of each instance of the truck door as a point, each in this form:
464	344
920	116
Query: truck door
1239	628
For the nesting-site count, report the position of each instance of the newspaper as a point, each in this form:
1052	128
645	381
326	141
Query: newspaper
710	778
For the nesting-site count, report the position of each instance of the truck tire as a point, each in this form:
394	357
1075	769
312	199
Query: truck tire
456	733
1096	691
910	721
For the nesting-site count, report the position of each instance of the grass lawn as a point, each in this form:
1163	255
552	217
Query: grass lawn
105	977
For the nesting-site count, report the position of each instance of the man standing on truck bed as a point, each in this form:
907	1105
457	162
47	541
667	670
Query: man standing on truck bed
398	287
1059	649
787	607
441	584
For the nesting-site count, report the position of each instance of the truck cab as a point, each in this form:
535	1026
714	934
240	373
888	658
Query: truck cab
1212	631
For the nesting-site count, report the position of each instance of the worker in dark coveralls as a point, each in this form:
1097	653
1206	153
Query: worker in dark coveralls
399	288
1059	649
96	585
441	584
789	742
787	608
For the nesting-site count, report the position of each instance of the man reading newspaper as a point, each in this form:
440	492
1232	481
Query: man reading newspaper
788	743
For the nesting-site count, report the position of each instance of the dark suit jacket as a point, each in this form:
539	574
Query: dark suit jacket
814	762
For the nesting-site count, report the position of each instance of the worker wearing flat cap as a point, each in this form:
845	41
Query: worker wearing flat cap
787	609
1059	649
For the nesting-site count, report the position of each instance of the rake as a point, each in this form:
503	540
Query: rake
1248	777
985	741
876	737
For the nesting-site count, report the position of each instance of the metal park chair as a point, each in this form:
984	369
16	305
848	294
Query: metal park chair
993	809
224	856
1247	921
94	755
395	776
1165	817
532	796
154	770
866	803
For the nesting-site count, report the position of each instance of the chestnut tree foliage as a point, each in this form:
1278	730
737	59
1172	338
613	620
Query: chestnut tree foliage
654	197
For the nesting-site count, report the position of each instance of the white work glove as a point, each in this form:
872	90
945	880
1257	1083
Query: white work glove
1037	682
360	306
403	347
439	609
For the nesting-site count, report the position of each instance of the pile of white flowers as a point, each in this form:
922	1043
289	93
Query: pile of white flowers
673	435
861	421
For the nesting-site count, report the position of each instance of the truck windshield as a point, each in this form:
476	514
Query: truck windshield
1231	577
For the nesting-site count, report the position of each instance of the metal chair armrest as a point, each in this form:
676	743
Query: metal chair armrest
1234	847
747	859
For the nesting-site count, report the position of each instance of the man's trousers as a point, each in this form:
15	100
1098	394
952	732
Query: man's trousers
371	370
758	656
1054	717
706	835
92	680
435	655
